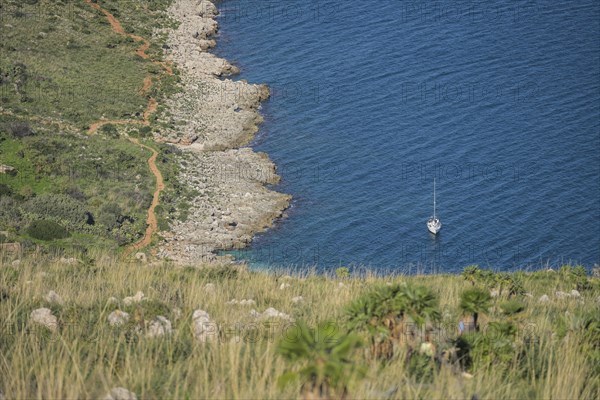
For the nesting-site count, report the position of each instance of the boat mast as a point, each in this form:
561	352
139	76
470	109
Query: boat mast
434	198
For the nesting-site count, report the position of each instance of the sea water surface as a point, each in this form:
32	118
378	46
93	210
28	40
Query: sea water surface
499	101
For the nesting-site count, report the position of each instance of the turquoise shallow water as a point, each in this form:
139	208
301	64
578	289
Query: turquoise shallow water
371	100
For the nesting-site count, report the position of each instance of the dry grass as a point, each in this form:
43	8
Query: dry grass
87	357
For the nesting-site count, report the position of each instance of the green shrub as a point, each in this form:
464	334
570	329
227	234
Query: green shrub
383	314
47	230
5	190
475	301
109	216
59	207
321	358
472	273
110	130
342	272
421	367
512	307
10	215
19	130
145	131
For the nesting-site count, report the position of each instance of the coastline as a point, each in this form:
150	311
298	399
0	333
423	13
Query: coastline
215	118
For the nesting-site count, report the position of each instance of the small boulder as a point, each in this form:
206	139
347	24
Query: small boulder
176	313
297	299
206	9
7	169
137	298
561	295
44	317
243	302
119	393
273	313
112	300
494	293
284	286
575	294
427	348
205	329
141	257
117	318
210	287
69	261
16	263
159	327
544	299
53	298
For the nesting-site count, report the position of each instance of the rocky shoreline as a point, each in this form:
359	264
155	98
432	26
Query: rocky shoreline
215	117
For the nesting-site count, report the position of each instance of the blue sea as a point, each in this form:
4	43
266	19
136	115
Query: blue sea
498	101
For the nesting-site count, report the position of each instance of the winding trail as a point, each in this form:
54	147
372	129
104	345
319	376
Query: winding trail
152	222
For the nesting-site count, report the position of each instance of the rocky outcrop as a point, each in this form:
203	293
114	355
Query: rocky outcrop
214	117
232	204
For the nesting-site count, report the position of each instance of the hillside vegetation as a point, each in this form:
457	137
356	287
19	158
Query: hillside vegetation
63	69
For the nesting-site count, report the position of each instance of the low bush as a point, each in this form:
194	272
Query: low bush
47	230
58	206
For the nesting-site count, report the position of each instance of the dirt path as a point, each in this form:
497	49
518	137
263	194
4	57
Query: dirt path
151	220
141	51
150	109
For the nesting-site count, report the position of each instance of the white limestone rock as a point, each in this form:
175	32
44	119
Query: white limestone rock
137	298
205	330
118	317
53	298
119	393
161	326
44	317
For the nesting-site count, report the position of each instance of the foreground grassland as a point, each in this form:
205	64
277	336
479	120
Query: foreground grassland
527	346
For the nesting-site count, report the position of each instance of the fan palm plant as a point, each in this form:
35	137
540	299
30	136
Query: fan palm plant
384	312
324	356
376	313
472	274
419	303
475	301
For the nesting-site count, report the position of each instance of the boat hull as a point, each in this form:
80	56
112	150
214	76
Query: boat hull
434	225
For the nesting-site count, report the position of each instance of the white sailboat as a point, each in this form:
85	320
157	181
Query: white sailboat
433	223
